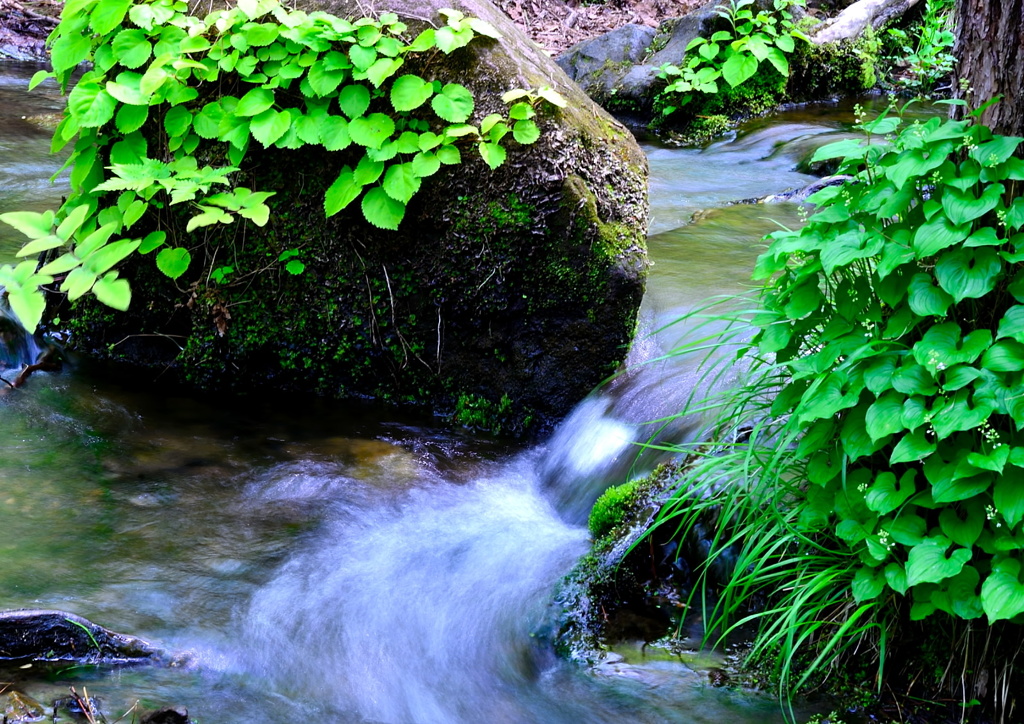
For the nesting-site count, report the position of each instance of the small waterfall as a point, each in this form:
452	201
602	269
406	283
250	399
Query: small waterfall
18	348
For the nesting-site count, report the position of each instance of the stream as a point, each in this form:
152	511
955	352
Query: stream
330	563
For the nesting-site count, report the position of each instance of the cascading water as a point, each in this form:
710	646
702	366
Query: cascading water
325	566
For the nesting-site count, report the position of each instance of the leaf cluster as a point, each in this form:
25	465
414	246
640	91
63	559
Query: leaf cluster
897	315
303	79
733	54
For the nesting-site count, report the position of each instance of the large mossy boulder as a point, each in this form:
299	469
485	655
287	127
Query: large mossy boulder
503	297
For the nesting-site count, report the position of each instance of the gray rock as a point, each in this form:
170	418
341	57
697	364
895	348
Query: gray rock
617	72
628	45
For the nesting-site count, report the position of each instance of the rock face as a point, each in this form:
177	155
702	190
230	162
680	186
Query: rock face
35	635
620	69
504	296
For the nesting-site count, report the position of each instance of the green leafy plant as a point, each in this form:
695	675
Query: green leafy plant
924	59
732	55
293	79
874	452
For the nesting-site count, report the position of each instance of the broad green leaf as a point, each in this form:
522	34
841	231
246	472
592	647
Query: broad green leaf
960	414
295	267
108	14
968	273
28	304
410	92
482	27
78	282
381	210
926	299
896	577
927	562
62	264
963	531
937	234
959	595
878	375
43	243
260	34
173	261
994	152
362	58
1011	325
912	446
401	182
1006	355
367	171
308	129
69	50
941	347
1002	594
425	164
113	292
451	156
885	495
382	69
208	216
269	126
776	58
963	206
32	224
342	192
132	48
372	130
453	104
335	134
91	105
917	162
153	241
525	132
131	118
492	154
354	100
127	89
885	416
323	81
255	102
867	584
1008	495
107	256
738	68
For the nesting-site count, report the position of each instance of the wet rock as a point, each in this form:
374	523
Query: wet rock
45	636
177	715
596	61
19	707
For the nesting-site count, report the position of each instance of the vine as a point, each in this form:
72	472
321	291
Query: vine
301	79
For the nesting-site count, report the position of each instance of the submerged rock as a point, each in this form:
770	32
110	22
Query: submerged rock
19	707
29	635
503	298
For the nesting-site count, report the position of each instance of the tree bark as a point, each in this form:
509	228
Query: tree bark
990	48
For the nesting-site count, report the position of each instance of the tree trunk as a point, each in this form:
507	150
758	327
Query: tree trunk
990	48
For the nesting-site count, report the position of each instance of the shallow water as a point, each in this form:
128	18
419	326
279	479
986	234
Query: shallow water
327	563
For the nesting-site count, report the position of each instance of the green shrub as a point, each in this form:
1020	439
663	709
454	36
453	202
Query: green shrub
875	452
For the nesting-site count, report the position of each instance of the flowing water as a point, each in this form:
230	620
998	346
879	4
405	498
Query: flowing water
329	564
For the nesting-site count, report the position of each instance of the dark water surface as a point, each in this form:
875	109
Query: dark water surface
327	564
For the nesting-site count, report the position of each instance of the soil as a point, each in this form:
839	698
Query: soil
555	25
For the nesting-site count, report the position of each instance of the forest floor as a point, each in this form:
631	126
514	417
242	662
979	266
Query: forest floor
553	24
